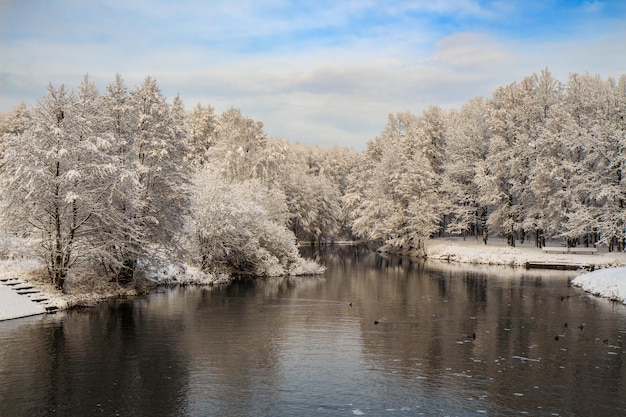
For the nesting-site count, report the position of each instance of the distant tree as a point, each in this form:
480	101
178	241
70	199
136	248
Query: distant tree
201	135
336	165
400	202
239	146
466	151
313	200
17	121
14	123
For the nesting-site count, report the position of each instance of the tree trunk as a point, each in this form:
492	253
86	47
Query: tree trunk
510	239
483	225
127	273
540	239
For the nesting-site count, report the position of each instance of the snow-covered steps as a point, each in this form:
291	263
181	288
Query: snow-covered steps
21	299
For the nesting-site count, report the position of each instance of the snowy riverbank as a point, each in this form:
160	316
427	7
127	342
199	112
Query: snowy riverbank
83	290
608	283
14	305
497	252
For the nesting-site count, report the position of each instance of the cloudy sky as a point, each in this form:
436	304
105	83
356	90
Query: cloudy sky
316	71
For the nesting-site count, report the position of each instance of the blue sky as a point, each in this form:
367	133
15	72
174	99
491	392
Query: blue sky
320	71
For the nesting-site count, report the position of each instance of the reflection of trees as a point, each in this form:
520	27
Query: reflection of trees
428	313
244	349
233	347
130	359
23	347
109	360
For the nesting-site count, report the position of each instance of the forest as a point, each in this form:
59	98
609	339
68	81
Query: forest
123	180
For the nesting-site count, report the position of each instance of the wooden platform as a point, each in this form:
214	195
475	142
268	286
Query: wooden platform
574	250
563	266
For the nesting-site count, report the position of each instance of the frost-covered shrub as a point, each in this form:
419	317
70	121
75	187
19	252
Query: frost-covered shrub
306	267
240	227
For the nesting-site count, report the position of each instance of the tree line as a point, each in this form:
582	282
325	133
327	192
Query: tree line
119	180
539	159
123	181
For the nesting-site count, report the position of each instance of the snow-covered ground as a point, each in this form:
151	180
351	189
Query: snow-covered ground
81	289
497	252
609	283
87	289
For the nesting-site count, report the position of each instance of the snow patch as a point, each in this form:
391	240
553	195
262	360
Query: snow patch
497	252
609	283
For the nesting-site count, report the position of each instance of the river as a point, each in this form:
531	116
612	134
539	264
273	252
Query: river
374	336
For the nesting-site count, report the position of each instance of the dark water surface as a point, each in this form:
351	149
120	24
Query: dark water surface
449	340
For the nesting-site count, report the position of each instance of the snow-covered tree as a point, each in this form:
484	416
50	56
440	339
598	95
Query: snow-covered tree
154	156
240	228
597	110
239	144
126	237
56	179
548	176
400	203
148	186
466	150
515	125
17	121
14	123
313	200
201	134
431	135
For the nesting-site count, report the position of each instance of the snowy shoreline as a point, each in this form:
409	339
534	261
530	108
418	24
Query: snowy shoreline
608	281
497	252
85	290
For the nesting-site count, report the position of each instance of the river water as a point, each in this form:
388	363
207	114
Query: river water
374	336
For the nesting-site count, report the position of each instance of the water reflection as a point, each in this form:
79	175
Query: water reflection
103	360
374	336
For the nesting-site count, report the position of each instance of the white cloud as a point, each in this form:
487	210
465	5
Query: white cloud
472	50
325	74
